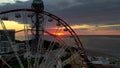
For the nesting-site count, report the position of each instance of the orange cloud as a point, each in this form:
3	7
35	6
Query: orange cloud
108	32
82	26
105	26
96	29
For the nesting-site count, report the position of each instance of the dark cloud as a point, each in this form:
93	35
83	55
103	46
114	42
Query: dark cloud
78	11
94	12
17	5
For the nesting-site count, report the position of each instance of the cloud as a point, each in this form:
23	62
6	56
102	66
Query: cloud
17	5
113	27
105	14
84	26
14	25
4	2
94	12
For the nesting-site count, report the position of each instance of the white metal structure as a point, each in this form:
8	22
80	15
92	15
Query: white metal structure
49	42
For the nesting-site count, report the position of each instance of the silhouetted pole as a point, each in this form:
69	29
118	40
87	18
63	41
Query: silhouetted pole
38	25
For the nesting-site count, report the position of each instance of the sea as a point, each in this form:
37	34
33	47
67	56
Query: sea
108	45
100	45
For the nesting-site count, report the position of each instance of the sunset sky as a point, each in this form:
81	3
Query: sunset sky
86	17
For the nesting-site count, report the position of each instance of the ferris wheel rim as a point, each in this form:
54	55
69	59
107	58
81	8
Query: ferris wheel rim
73	33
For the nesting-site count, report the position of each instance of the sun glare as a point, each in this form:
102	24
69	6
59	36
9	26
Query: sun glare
59	34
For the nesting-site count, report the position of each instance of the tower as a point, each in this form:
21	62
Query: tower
38	4
38	25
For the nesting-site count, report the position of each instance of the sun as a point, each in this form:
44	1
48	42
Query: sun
59	34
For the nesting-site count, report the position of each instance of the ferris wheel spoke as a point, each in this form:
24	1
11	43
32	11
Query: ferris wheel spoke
5	63
55	56
58	53
51	45
36	54
11	44
49	52
27	38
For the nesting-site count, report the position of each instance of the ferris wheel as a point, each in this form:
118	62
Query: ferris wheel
43	40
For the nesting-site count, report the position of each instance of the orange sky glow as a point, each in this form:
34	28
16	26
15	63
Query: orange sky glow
83	29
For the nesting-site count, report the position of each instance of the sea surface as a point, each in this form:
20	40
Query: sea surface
99	44
109	45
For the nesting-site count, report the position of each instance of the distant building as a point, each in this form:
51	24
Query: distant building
4	47
5	33
4	42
